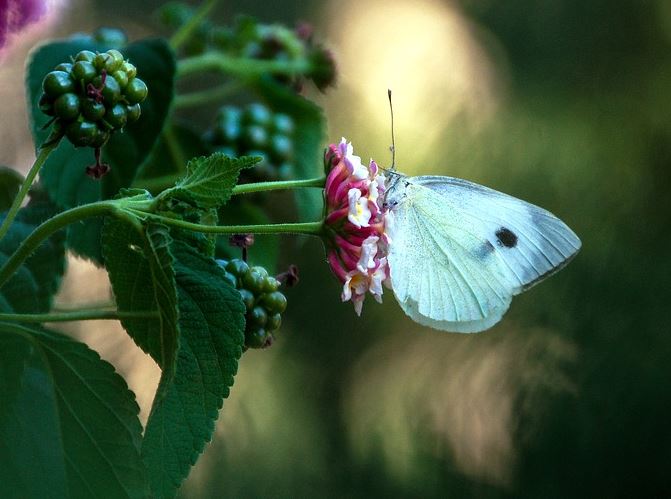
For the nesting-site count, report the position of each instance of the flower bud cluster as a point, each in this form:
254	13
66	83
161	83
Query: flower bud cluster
355	223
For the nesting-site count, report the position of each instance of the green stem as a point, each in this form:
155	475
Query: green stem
43	231
309	228
42	156
283	184
185	31
159	184
107	305
79	315
207	96
240	66
174	148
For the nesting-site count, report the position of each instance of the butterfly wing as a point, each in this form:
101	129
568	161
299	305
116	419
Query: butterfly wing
461	251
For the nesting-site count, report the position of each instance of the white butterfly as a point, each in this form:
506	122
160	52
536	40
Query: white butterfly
460	251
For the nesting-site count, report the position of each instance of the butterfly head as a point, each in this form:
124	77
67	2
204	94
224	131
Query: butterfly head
395	189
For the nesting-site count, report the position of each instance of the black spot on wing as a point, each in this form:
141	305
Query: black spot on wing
484	250
506	237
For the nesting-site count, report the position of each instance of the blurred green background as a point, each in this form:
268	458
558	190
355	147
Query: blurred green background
564	103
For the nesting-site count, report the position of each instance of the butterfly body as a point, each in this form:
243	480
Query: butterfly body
460	251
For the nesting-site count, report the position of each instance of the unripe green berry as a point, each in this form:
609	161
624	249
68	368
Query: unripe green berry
281	148
255	137
92	110
57	83
117	116
100	138
66	106
271	285
111	91
274	322
81	133
261	271
231	279
64	66
227	132
133	113
135	91
283	124
237	267
256	338
275	302
121	77
84	70
114	60
257	114
100	61
253	281
129	69
247	298
258	317
85	55
229	114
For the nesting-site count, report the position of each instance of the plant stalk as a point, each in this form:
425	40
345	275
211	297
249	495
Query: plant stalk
79	315
46	229
208	96
239	66
42	156
185	31
309	228
282	184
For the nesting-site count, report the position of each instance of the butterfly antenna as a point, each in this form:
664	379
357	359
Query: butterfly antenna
393	141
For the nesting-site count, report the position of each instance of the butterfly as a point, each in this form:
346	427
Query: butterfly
460	251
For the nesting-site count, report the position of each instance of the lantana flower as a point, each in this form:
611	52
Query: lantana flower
355	224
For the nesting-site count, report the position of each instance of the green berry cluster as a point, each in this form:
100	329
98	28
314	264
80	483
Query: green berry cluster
252	39
248	38
255	131
262	298
92	96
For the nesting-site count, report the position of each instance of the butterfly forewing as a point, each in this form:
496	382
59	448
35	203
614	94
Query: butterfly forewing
460	251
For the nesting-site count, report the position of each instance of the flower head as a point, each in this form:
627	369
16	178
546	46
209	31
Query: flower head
355	224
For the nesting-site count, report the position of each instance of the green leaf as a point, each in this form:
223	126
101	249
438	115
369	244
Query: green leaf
309	148
63	175
211	339
68	423
140	268
10	183
32	288
210	179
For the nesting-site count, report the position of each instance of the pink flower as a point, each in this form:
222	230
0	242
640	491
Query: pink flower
19	17
355	223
